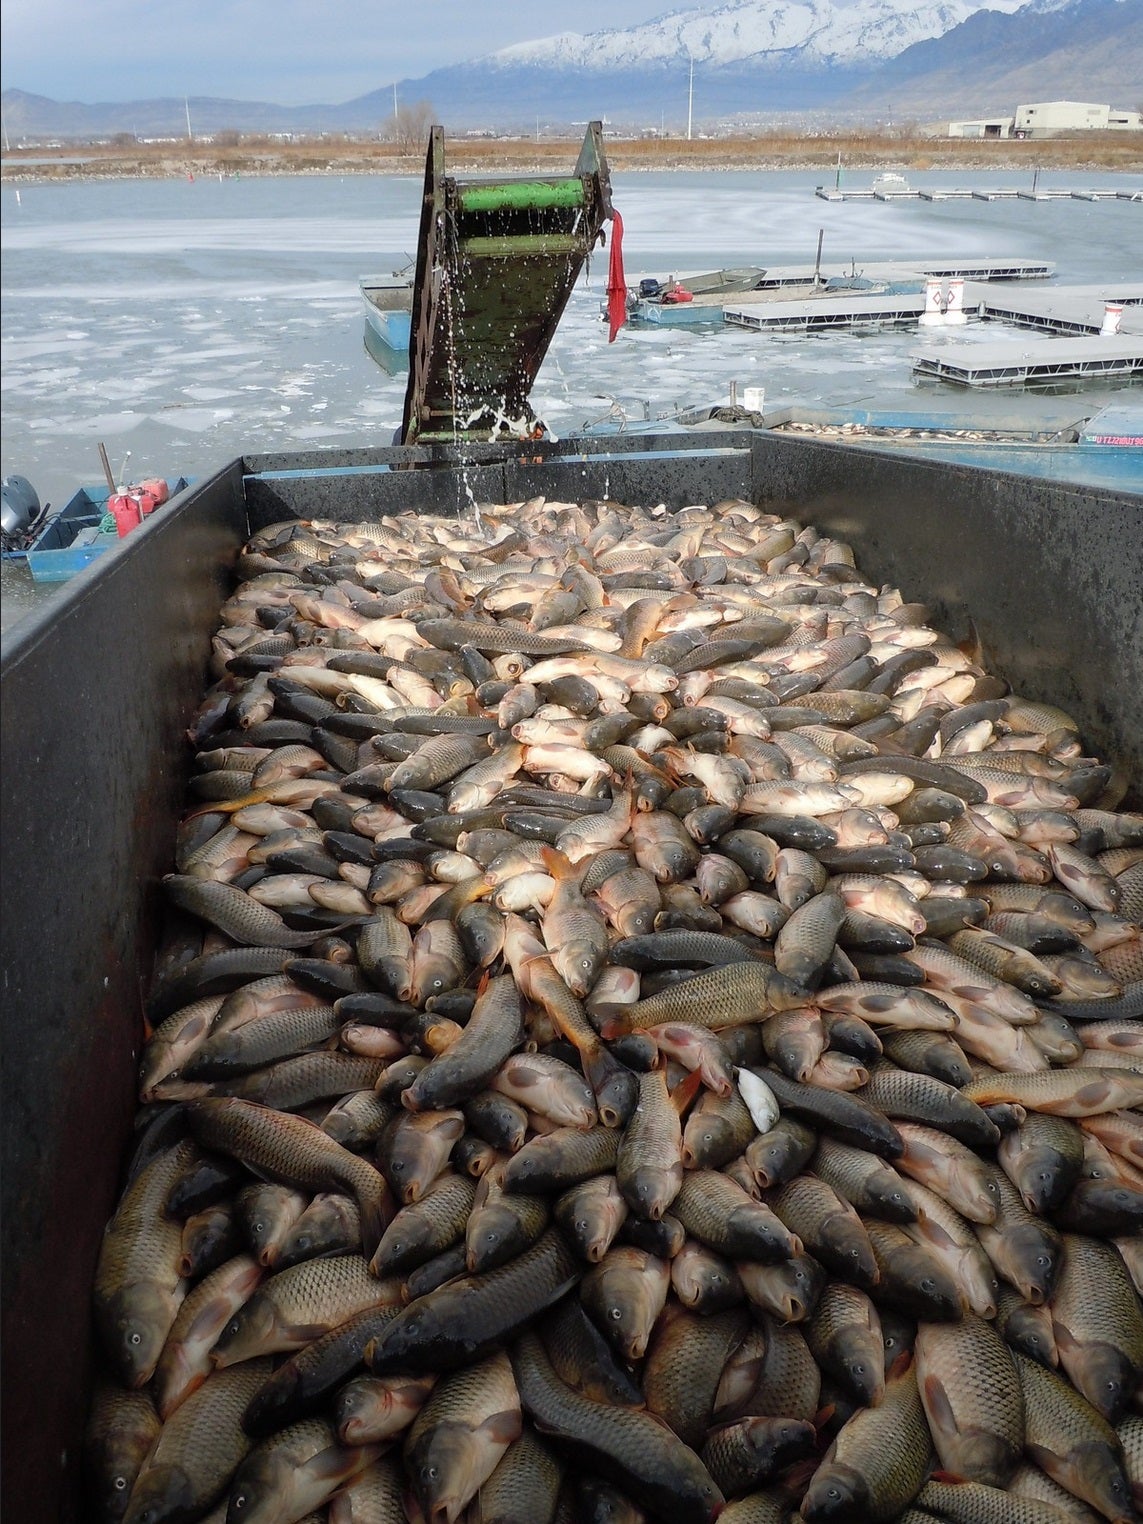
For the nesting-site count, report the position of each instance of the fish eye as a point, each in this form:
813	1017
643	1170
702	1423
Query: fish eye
238	1501
120	1483
615	1314
928	1284
136	1338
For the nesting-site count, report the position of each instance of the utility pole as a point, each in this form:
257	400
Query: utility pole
394	103
190	134
690	95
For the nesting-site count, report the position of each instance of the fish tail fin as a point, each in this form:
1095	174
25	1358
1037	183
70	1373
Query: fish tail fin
686	1090
557	864
377	1211
614	1021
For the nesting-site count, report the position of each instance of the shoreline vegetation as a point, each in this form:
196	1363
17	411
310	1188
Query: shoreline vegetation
231	154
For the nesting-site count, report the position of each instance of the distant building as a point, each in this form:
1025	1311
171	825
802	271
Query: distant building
1047	119
984	127
1041	119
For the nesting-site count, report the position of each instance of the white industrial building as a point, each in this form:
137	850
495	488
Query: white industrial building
983	127
1044	119
1047	119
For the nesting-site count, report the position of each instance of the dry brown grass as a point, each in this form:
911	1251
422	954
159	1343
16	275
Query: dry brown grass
764	150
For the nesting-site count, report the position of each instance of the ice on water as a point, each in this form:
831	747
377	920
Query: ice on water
193	321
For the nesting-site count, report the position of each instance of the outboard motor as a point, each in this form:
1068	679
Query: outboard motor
19	512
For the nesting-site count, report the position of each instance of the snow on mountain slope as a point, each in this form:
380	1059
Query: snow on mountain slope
825	32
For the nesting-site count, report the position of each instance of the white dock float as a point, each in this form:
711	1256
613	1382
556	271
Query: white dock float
1017	364
965	193
847	309
985	269
988	269
1062	309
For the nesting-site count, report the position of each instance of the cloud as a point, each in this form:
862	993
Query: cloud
293	52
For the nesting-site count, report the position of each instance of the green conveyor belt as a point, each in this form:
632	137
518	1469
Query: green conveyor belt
520	195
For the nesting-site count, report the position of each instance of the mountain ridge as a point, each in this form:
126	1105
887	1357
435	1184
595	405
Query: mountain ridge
845	59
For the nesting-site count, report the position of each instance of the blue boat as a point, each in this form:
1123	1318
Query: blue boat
388	304
70	540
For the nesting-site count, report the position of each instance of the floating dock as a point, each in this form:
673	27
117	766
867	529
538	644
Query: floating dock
848	309
1063	309
973	193
987	268
796	283
1037	363
1068	311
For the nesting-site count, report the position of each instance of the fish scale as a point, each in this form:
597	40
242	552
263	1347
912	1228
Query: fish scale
461	1433
971	1393
138	1288
878	1461
684	1366
643	1455
198	1449
649	1165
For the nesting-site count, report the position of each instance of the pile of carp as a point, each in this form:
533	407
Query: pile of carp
647	1029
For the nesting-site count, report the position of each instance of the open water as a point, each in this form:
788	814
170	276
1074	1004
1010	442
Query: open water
188	322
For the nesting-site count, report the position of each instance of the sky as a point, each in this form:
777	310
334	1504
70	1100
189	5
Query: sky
291	52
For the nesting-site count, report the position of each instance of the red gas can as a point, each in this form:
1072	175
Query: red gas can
126	511
130	508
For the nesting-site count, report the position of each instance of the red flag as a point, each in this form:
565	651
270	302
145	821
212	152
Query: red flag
616	285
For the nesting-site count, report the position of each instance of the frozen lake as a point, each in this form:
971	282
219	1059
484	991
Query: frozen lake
191	321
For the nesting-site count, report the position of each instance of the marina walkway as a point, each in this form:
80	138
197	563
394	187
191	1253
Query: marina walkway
1016	363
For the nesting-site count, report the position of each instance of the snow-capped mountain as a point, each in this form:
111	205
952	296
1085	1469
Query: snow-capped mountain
751	59
826	32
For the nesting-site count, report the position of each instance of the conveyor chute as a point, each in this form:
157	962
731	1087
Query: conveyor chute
496	263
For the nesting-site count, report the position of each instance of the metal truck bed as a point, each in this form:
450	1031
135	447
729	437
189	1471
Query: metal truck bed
97	692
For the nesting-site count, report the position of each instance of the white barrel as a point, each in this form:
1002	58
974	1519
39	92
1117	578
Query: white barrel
954	307
1112	318
934	313
753	398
